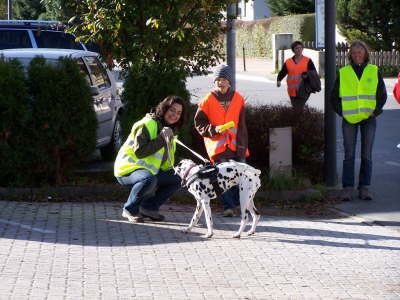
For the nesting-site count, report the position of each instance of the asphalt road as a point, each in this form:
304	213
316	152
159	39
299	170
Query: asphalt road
385	208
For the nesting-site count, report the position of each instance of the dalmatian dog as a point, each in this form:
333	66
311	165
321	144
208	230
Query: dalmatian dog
229	174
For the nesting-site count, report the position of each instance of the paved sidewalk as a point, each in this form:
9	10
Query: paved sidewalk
87	251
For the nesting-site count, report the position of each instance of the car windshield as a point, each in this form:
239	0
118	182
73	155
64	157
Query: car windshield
56	39
10	39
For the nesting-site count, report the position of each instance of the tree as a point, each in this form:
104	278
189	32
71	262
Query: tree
3	10
28	9
376	23
290	7
174	32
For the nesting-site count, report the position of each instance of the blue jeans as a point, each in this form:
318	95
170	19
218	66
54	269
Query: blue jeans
231	198
367	129
147	190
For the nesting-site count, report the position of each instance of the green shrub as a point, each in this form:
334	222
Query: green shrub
48	125
64	119
308	140
389	70
15	122
147	85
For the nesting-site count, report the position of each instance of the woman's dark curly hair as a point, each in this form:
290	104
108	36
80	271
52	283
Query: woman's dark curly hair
164	105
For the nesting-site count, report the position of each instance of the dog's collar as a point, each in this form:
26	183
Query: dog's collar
185	175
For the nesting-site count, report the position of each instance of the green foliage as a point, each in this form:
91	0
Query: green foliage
180	33
65	122
147	85
374	22
15	122
307	140
3	10
28	9
48	125
291	7
256	36
389	70
307	137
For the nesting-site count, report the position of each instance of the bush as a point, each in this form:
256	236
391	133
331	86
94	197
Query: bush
147	85
15	122
308	138
389	70
55	131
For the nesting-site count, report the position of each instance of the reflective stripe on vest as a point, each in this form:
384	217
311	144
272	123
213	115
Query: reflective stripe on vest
358	95
293	78
127	161
217	115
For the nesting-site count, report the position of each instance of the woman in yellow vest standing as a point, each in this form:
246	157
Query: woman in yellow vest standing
222	105
358	96
293	68
145	161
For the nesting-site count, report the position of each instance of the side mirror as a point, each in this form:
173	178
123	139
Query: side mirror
94	90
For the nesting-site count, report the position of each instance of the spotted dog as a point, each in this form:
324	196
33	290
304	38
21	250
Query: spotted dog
229	174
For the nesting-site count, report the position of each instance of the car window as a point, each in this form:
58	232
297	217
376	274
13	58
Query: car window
99	73
56	39
11	39
84	70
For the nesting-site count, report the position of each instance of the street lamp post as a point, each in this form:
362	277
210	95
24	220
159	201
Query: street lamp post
330	168
9	9
230	40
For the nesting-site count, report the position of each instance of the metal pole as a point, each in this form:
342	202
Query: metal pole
330	168
244	59
9	9
230	40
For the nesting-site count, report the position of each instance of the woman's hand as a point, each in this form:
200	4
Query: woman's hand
167	133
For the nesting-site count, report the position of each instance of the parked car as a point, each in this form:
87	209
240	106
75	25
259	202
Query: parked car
106	101
38	34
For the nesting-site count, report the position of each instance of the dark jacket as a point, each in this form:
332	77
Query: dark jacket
310	83
381	94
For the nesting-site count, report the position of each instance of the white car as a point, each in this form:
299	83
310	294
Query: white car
106	101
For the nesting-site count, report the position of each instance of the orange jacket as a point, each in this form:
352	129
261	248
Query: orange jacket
217	115
294	74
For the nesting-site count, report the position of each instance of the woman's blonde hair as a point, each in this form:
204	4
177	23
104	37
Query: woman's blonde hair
358	44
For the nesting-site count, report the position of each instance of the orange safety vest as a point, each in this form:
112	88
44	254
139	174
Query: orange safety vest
218	116
294	74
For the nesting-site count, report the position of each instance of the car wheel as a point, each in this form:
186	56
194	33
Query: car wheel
110	151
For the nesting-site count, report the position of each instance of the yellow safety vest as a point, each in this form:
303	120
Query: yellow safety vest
127	161
358	96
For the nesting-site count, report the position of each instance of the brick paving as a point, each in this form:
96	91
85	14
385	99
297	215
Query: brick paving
87	251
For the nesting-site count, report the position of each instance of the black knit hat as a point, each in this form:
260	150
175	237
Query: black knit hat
223	71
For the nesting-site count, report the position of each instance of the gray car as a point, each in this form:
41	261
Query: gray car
106	101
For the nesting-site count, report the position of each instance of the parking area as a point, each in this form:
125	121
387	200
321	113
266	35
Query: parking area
88	251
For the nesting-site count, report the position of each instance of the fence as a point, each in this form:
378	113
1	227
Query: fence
379	58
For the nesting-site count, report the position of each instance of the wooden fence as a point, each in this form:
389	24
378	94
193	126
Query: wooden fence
379	58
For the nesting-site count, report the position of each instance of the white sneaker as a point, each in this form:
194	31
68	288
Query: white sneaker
133	219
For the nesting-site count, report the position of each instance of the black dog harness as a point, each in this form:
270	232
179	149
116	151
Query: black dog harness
207	171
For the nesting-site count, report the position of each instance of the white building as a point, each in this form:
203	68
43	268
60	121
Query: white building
253	10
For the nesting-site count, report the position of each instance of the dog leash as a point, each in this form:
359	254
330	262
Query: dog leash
194	152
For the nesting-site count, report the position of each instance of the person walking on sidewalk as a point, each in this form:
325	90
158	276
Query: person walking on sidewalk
223	104
294	67
358	96
145	161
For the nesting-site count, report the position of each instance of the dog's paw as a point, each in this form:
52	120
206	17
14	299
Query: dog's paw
185	230
251	232
236	236
209	235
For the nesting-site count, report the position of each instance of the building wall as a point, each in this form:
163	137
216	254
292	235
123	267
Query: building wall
253	10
